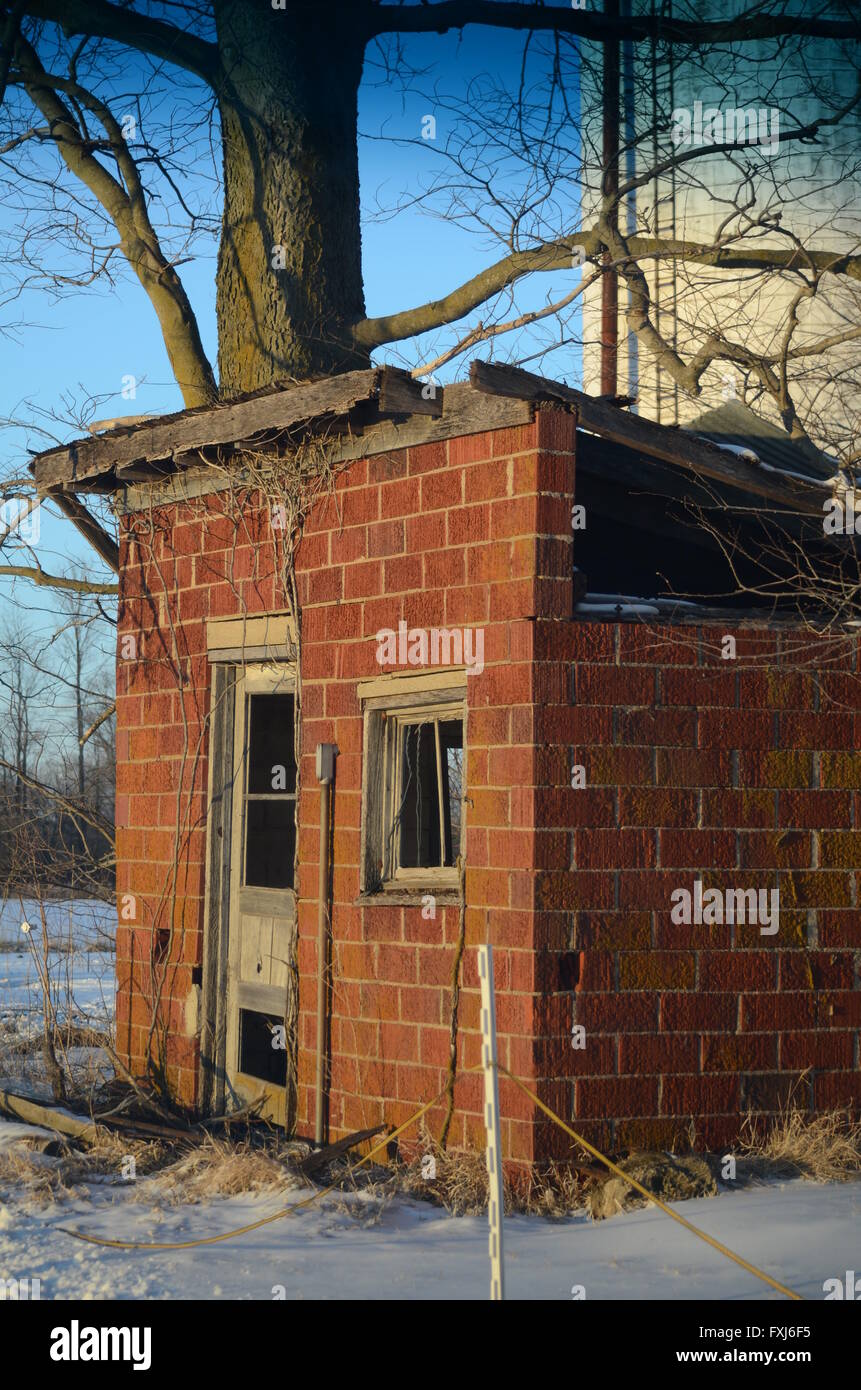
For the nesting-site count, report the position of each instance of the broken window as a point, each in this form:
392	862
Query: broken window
649	532
414	790
430	777
259	1052
270	793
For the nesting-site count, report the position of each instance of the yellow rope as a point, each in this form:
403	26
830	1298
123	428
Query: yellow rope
266	1220
590	1148
323	1192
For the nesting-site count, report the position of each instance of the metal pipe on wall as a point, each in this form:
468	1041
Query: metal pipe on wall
326	754
610	189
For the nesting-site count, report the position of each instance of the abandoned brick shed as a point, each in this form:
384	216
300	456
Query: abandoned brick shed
540	742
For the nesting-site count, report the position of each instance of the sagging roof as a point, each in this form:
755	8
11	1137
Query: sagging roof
734	423
383	408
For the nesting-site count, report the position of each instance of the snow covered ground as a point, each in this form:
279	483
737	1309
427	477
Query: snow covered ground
356	1247
801	1233
81	971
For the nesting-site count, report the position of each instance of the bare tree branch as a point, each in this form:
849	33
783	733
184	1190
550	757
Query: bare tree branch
500	14
483	332
126	207
104	545
556	255
111	709
73	808
29	505
102	20
57	581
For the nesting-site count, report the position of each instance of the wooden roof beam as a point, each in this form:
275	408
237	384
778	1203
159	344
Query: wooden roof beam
230	423
148	447
656	441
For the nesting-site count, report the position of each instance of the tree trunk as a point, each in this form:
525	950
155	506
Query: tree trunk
289	282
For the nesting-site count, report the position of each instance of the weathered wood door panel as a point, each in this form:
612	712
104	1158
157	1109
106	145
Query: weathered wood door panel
262	912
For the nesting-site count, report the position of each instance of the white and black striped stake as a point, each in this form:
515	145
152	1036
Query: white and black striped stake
493	1152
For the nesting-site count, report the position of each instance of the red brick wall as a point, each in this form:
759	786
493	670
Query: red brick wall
688	774
473	532
741	773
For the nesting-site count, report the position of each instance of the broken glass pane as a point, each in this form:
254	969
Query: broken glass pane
421	779
259	1054
451	751
419	808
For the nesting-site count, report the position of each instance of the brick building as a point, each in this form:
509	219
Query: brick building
535	747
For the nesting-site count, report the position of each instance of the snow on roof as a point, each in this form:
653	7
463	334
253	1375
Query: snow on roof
630	605
736	427
740	450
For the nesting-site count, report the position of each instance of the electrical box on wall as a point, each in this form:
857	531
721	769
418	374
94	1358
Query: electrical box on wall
326	755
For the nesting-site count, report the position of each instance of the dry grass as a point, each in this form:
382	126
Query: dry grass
63	1171
822	1148
457	1180
220	1168
165	1174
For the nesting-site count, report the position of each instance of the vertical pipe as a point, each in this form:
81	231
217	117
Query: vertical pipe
610	188
325	773
631	386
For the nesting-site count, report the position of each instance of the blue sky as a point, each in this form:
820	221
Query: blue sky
85	343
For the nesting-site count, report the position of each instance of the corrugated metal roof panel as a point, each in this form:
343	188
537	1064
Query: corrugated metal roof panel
736	423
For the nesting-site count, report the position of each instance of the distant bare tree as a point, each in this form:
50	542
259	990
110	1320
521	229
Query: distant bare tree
56	785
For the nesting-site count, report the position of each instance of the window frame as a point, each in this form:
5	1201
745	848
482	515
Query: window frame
264	688
257	678
385	717
395	723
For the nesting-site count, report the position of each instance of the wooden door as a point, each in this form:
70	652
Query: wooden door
262	916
